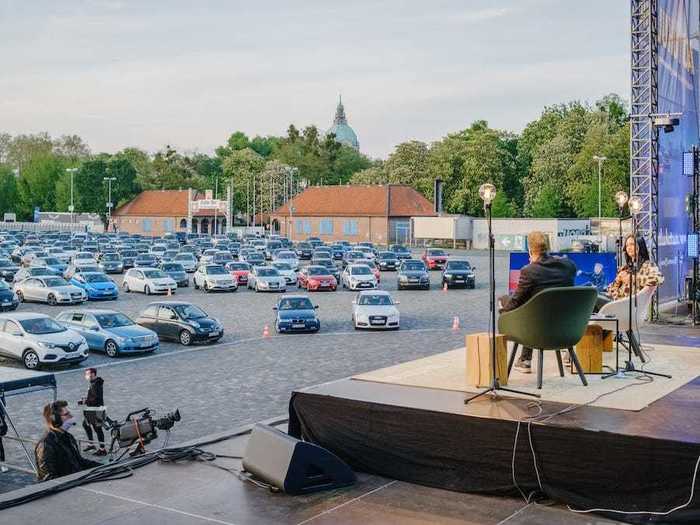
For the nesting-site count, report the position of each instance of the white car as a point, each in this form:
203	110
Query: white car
32	271
214	277
287	256
366	250
36	339
286	270
208	256
50	290
266	279
83	259
187	260
358	276
148	281
375	309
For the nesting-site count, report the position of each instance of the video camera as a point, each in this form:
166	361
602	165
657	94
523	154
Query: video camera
144	427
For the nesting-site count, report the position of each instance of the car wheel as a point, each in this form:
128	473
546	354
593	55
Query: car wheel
125	285
185	338
147	290
206	288
30	360
111	348
20	296
51	300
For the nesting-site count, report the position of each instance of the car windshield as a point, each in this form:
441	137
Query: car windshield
95	278
173	267
83	255
360	270
51	261
86	269
286	255
238	266
305	246
55	281
216	270
458	265
190	311
256	257
413	266
317	270
110	257
209	252
184	257
154	274
296	303
129	253
375	300
356	255
401	249
268	272
436	253
387	255
282	266
114	320
41	325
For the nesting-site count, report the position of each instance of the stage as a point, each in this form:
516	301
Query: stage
639	458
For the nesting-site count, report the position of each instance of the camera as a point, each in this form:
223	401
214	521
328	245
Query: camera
140	425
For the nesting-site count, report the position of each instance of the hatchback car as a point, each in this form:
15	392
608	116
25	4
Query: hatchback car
357	276
413	274
266	279
296	313
111	263
434	258
148	281
145	260
36	340
8	298
352	257
97	285
287	256
182	322
255	258
49	290
375	309
387	261
458	272
187	260
110	332
128	258
83	258
239	271
214	278
315	278
176	272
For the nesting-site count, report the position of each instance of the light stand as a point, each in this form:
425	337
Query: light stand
487	192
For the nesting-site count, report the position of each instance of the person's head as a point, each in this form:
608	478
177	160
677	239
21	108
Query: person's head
537	245
636	250
598	268
56	415
90	373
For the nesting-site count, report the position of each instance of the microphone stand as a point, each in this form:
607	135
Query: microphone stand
495	383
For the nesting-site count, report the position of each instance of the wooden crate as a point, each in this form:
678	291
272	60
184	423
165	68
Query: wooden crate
608	341
479	359
590	350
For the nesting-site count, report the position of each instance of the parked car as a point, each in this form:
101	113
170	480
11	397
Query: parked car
331	267
413	274
387	261
111	262
145	260
207	256
304	250
83	258
271	247
337	251
285	270
366	250
266	279
255	258
110	332
401	251
357	276
36	340
287	256
128	258
73	269
434	258
176	272
50	290
148	281
296	313
222	257
187	260
8	298
239	271
352	257
213	278
316	278
97	286
8	269
182	322
458	272
32	271
56	266
375	309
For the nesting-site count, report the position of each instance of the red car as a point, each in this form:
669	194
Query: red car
375	269
315	278
239	271
434	258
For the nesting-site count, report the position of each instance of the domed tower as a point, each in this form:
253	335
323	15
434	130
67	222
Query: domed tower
343	132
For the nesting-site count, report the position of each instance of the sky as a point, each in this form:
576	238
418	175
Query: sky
148	73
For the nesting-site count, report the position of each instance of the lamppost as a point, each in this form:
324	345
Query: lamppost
71	208
216	201
109	181
600	159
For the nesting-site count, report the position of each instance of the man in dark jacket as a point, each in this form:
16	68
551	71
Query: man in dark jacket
57	453
94	411
544	271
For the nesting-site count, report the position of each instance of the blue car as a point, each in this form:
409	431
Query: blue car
296	313
97	285
8	298
110	332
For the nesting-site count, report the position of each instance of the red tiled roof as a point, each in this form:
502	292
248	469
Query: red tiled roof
156	203
392	200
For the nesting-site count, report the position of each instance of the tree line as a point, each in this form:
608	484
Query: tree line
547	170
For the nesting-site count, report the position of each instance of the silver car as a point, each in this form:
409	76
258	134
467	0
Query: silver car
287	256
187	260
148	281
214	277
266	279
32	271
287	271
375	309
50	290
358	276
36	339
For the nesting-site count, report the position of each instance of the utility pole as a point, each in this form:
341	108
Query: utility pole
600	159
109	181
216	201
71	208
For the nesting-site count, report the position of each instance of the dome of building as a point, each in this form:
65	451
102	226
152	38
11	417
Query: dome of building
343	132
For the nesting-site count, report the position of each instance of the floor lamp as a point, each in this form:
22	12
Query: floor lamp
487	193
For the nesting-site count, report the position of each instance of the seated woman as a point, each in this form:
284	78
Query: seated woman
647	273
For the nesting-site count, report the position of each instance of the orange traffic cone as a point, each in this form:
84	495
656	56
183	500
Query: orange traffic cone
266	331
455	323
444	287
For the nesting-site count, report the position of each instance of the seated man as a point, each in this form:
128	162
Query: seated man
544	271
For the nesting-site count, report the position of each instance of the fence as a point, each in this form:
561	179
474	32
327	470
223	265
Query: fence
45	226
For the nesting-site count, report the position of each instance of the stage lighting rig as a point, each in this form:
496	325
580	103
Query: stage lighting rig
666	121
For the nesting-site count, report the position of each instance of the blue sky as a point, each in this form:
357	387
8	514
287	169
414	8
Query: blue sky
149	73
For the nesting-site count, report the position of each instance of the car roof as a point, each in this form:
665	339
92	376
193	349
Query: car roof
356	265
293	296
91	311
374	292
170	303
21	316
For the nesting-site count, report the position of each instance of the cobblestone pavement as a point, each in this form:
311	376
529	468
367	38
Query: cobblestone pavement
245	377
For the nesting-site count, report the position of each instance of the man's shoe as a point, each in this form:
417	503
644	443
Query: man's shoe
524	366
101	452
89	448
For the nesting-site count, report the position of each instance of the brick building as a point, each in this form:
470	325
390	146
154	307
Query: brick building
377	213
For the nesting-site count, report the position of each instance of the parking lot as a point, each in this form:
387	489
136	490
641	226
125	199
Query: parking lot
246	377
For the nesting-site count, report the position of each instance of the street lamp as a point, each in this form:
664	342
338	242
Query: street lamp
109	181
600	159
71	208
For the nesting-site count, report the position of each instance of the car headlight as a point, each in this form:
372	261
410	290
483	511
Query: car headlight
448	275
46	344
403	277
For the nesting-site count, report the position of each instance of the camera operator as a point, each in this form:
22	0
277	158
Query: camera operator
3	432
57	453
94	413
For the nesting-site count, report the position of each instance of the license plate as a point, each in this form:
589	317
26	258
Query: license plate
298	325
145	345
273	285
376	322
214	333
413	280
459	278
6	304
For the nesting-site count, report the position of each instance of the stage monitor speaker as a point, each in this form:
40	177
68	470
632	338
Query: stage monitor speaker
294	466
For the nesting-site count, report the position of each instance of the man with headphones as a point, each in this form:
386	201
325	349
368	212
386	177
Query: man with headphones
57	453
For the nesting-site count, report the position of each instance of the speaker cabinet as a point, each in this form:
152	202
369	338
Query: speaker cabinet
294	466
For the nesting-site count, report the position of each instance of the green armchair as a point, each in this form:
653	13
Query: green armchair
553	319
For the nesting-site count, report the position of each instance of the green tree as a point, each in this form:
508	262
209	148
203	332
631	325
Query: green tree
373	175
8	190
239	168
37	183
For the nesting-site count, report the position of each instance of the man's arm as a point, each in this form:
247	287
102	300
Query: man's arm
522	293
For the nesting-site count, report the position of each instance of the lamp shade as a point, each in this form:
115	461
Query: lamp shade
487	192
635	205
621	199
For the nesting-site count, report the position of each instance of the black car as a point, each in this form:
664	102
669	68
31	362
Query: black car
401	251
128	257
8	299
458	273
112	263
8	269
387	261
181	321
145	260
413	274
304	250
337	251
176	272
255	258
